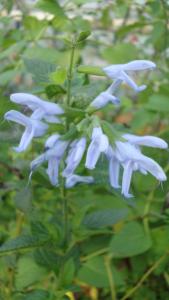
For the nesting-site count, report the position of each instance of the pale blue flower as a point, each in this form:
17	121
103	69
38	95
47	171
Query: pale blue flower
99	144
77	149
114	168
56	149
121	72
103	99
33	128
41	109
132	160
146	140
74	179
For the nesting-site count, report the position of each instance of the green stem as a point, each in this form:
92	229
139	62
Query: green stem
107	260
70	74
144	277
63	191
65	216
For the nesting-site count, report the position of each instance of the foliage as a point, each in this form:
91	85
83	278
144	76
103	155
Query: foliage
116	248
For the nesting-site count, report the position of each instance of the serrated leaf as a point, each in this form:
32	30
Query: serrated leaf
23	242
130	241
105	217
39	69
83	35
36	295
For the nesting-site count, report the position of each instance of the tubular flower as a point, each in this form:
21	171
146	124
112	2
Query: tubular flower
99	144
120	72
74	179
128	155
54	153
33	128
41	109
103	99
77	149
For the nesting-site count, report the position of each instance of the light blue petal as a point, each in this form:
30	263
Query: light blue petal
74	179
147	140
131	83
53	170
16	116
126	180
114	169
25	140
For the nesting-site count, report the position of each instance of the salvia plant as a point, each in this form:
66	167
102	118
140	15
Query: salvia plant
89	137
73	148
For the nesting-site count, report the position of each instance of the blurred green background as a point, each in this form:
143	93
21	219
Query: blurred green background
118	248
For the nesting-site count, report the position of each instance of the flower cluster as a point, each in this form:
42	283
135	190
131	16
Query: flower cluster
123	151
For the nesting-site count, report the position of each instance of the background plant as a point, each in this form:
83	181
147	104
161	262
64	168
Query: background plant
35	57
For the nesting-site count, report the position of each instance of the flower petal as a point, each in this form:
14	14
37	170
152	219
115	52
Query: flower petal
139	65
74	179
152	167
51	141
25	140
114	169
131	82
53	170
146	140
34	102
16	116
126	180
74	156
37	162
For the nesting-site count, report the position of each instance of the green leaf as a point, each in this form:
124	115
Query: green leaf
105	217
70	134
67	273
23	242
36	295
59	76
7	76
52	90
28	272
130	241
83	36
34	27
14	49
120	53
39	69
94	273
158	103
23	200
51	6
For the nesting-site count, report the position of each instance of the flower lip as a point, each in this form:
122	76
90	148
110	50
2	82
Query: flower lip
34	102
147	140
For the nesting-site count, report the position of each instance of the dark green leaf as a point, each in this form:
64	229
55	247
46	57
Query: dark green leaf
105	217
